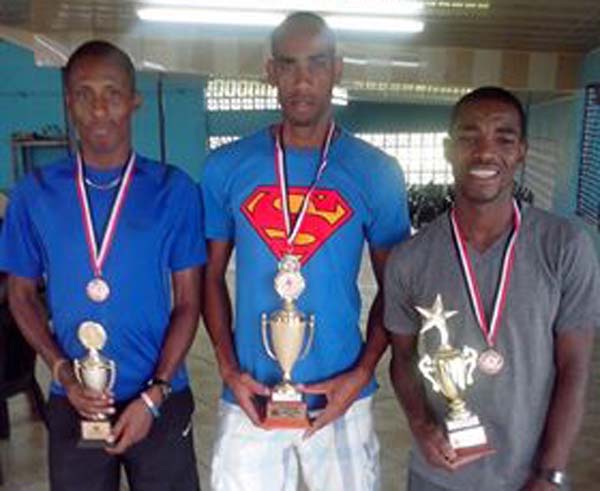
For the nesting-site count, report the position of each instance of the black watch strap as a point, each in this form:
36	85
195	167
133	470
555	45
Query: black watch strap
163	385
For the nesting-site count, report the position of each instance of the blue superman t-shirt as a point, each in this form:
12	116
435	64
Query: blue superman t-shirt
360	197
159	232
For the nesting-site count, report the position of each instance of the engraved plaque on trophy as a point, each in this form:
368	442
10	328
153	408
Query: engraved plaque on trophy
450	372
98	373
287	337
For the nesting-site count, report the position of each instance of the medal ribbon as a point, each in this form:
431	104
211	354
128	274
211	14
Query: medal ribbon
98	257
490	331
291	232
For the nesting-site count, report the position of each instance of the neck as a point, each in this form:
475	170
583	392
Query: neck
483	224
105	161
305	136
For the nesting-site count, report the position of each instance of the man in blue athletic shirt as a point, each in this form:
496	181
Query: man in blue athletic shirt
115	236
254	191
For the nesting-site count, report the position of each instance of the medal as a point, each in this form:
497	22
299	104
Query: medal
289	282
491	360
98	289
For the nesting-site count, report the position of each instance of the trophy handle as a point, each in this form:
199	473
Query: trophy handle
265	338
77	370
113	374
311	336
470	358
427	369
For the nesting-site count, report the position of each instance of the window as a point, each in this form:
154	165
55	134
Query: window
240	95
252	95
421	155
588	189
216	141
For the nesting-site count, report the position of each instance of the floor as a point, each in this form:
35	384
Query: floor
23	456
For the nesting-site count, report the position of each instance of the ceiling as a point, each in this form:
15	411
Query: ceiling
535	45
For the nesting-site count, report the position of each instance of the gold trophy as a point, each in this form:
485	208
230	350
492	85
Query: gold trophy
450	371
286	344
97	373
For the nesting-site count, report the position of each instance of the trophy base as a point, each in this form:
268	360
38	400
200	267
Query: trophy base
95	434
286	415
468	439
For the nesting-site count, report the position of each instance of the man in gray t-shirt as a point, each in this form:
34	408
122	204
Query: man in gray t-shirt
526	288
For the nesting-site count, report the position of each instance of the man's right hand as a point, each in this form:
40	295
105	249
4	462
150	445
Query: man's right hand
89	403
246	389
434	446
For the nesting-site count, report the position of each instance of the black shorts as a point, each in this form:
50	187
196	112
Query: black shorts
163	461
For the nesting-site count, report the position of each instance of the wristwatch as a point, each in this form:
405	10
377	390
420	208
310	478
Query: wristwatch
553	476
163	385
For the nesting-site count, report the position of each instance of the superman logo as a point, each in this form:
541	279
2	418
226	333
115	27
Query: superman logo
327	211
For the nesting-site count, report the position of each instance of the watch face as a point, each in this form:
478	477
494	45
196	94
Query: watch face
289	285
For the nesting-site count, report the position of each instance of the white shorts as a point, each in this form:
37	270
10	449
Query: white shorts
343	456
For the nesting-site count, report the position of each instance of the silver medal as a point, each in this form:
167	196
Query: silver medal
490	362
97	290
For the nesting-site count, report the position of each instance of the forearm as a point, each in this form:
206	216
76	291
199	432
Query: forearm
183	322
218	320
376	338
180	335
31	317
566	411
409	389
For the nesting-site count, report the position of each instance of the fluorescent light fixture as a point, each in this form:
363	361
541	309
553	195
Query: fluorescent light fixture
379	62
373	7
374	24
272	18
151	65
212	16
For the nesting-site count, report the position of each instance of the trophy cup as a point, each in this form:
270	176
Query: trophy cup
286	344
450	371
97	373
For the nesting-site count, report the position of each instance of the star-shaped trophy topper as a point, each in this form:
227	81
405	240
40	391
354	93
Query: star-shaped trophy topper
436	317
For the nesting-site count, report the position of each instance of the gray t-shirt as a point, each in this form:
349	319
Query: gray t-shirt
555	287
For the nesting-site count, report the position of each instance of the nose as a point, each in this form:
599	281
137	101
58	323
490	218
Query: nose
99	106
484	148
303	74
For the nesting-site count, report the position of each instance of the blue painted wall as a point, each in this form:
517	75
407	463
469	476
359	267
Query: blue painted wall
31	98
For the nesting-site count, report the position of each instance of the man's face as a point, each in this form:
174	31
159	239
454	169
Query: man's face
485	149
101	103
304	69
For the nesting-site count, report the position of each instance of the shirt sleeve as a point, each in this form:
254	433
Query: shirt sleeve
390	223
580	289
400	317
21	252
189	246
218	217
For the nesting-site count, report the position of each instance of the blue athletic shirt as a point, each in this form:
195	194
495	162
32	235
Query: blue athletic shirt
361	196
160	231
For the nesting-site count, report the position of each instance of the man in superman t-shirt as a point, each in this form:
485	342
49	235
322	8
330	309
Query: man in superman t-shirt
336	192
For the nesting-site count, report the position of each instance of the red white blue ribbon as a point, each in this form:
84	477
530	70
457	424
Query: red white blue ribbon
490	330
292	230
97	254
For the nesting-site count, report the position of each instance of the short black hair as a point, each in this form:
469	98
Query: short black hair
309	19
490	93
102	50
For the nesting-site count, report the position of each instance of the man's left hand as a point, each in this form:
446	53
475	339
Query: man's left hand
537	484
132	426
340	391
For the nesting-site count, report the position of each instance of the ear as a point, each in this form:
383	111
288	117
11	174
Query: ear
137	101
448	149
271	75
338	68
523	147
